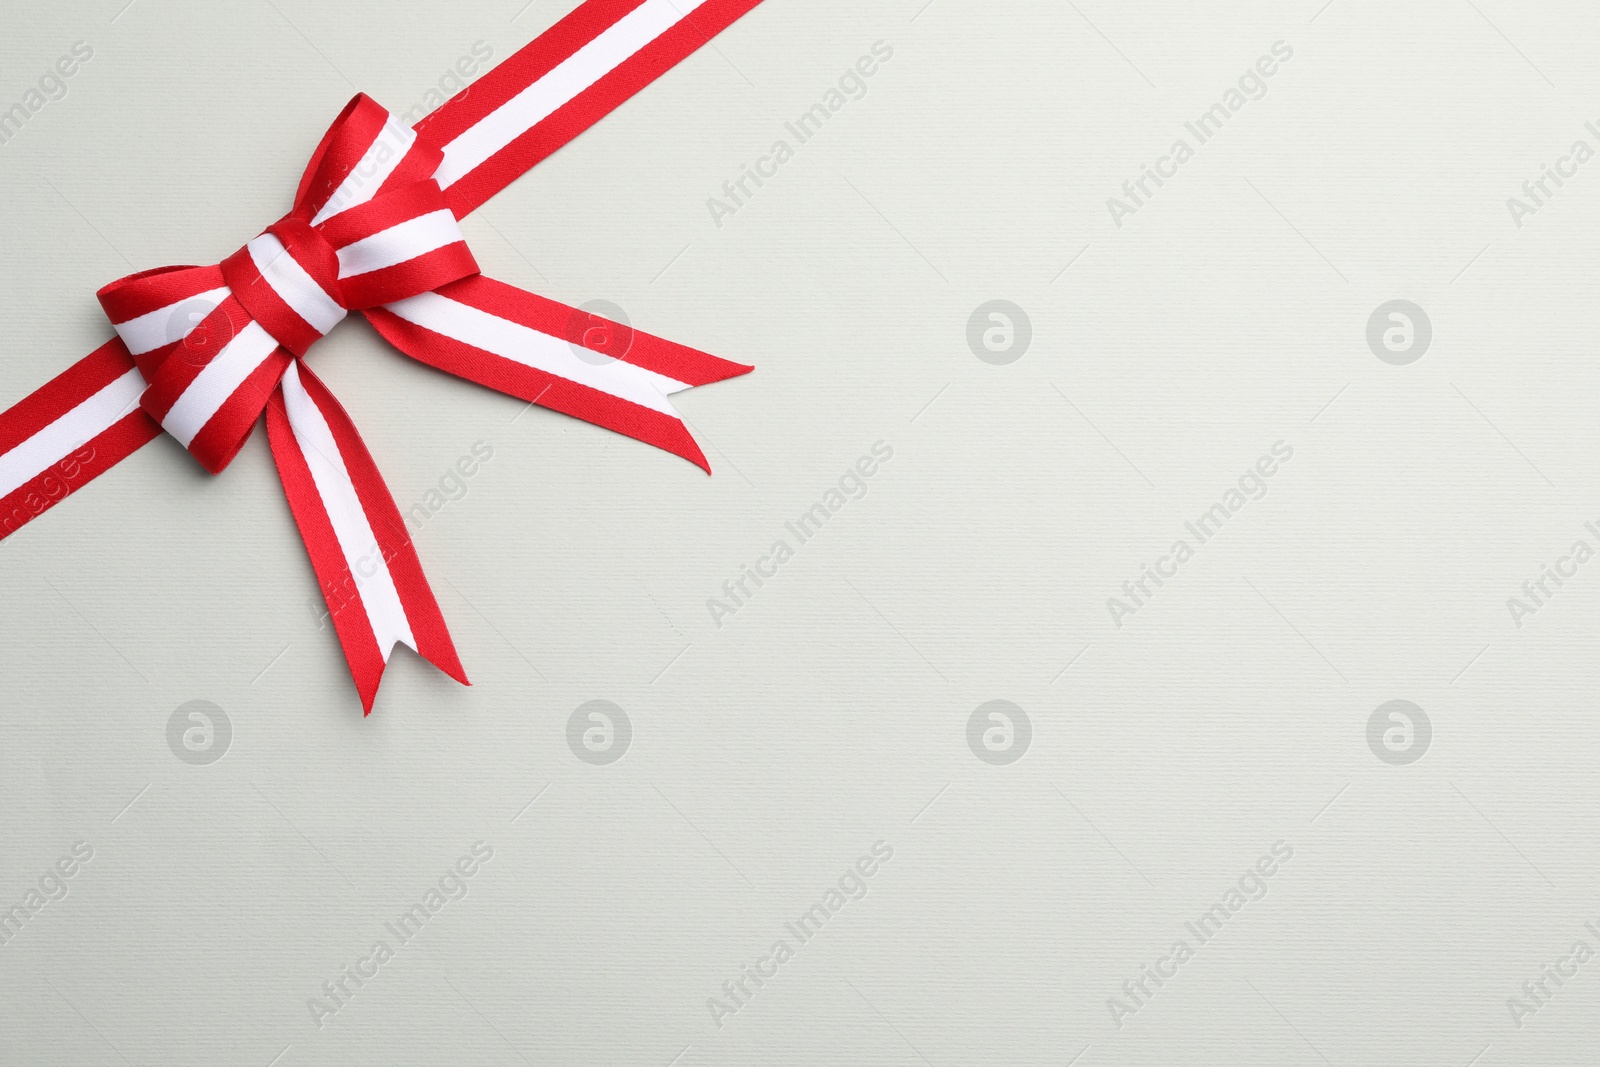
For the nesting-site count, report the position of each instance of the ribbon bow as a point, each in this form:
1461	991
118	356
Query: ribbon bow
202	352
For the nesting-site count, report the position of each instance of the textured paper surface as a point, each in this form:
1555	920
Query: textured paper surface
767	746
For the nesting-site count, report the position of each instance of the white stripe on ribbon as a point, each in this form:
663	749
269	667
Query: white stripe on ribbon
70	432
541	351
150	331
293	285
613	47
375	585
399	243
367	176
217	381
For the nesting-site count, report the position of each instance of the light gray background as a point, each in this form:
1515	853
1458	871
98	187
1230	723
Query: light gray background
831	712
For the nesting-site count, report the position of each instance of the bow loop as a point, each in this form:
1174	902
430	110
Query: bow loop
209	365
364	151
156	309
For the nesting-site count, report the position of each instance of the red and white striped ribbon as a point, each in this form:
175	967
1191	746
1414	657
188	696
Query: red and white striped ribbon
202	352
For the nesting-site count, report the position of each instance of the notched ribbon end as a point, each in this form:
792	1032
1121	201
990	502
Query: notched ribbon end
714	370
368	681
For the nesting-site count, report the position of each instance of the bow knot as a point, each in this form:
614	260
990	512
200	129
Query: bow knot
287	279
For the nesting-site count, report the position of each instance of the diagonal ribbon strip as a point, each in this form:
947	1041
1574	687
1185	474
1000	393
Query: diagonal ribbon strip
203	352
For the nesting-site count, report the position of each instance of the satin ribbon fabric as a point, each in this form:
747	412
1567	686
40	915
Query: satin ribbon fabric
202	353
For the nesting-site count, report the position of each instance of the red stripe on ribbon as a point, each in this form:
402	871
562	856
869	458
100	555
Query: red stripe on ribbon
150	290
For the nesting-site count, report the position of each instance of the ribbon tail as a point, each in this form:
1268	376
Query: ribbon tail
556	356
69	432
359	546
